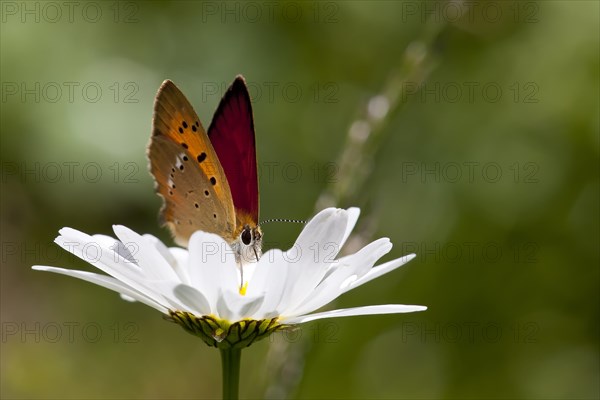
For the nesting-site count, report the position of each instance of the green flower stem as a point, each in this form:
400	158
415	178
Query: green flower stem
230	360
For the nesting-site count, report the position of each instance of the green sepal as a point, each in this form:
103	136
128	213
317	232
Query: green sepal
223	334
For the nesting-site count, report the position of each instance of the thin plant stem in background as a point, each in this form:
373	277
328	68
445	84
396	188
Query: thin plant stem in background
365	136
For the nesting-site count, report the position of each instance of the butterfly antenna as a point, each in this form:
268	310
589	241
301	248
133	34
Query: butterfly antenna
295	221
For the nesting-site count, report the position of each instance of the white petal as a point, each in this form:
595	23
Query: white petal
365	258
352	267
353	214
181	256
347	312
250	307
223	310
89	250
174	261
262	277
92	251
127	298
249	269
326	292
148	257
182	259
166	289
113	244
270	281
318	244
328	226
379	270
161	247
232	306
125	270
106	282
212	266
192	299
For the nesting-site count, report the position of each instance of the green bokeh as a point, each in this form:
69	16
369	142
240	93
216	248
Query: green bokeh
489	173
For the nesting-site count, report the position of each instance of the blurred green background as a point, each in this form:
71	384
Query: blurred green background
485	165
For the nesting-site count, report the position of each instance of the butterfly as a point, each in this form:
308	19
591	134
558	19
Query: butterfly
208	181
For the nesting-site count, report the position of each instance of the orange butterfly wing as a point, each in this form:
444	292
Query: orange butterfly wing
187	171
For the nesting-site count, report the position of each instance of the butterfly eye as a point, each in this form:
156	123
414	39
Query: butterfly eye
246	236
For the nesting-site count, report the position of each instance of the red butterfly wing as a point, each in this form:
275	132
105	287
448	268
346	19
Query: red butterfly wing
231	133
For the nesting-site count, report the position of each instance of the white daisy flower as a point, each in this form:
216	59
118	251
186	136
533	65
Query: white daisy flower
199	288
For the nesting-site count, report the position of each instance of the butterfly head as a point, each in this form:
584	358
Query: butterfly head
248	243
